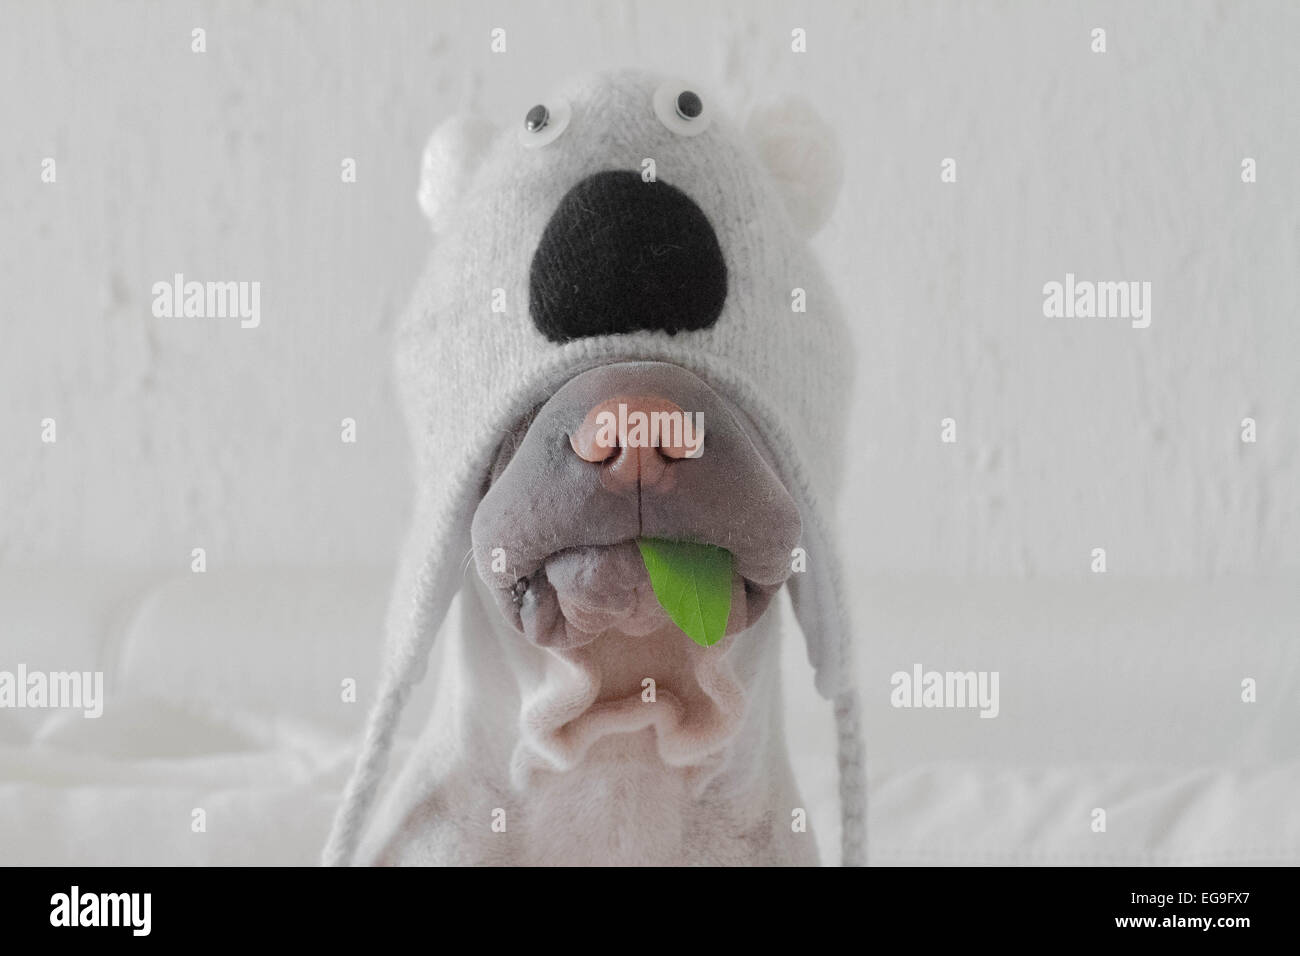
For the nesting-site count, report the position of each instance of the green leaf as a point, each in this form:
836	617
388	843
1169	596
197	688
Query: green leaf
693	583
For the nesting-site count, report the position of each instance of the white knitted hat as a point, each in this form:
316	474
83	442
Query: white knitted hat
469	374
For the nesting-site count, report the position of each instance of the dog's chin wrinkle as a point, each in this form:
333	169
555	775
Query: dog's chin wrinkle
589	693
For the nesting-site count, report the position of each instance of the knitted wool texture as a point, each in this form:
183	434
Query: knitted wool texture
468	375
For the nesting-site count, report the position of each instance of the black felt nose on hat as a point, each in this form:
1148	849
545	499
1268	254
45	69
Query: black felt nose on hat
621	255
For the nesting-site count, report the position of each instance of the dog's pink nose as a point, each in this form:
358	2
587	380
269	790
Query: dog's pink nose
635	437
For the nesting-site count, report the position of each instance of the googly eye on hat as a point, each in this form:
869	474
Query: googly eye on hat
682	108
545	122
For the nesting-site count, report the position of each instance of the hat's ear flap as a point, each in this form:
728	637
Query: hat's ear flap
801	152
451	154
817	596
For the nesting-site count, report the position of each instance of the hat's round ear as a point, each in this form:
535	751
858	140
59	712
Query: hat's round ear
450	156
800	150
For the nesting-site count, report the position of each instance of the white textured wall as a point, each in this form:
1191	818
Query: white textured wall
1072	433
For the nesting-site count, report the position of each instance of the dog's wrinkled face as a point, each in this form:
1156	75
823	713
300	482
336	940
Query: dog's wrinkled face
565	507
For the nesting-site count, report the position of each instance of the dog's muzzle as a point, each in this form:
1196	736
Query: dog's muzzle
555	533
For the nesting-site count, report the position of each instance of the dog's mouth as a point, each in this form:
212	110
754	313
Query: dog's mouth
580	594
555	535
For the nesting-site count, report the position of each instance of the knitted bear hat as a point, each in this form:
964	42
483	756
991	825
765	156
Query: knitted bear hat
469	373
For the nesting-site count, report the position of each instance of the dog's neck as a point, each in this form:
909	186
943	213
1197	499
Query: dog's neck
592	764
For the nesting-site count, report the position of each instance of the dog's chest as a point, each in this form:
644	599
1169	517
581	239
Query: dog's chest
622	805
